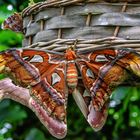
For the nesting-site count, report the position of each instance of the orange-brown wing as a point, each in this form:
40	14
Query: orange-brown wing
21	71
89	66
96	119
14	23
44	73
130	61
101	79
124	66
51	92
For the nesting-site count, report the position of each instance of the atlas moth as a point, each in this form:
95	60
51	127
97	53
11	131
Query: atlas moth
50	76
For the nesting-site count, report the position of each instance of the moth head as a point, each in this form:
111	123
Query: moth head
70	54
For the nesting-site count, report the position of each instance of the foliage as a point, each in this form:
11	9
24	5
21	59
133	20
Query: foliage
19	123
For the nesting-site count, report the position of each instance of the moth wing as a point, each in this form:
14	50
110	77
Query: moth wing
101	77
20	71
14	23
131	61
89	67
51	93
123	67
96	119
44	75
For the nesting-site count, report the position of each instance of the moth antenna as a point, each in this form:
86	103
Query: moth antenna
75	44
73	47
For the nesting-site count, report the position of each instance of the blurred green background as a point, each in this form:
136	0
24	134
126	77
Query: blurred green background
19	123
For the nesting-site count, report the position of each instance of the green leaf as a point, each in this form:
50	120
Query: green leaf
3	48
134	116
11	112
10	38
120	93
4	12
35	134
2	76
1	137
135	94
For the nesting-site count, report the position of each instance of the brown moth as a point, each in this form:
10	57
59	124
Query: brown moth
14	23
51	76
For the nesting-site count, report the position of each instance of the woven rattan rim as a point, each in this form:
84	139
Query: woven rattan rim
60	44
60	3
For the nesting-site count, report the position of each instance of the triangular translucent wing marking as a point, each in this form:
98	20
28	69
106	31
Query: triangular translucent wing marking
101	58
89	73
55	78
36	58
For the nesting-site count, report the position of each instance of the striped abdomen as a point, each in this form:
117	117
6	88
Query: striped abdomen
72	75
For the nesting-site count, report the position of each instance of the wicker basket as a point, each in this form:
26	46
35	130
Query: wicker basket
55	24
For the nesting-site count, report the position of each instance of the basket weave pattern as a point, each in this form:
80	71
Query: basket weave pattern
53	25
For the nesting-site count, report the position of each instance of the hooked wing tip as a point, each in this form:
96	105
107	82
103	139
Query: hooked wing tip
97	119
57	128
